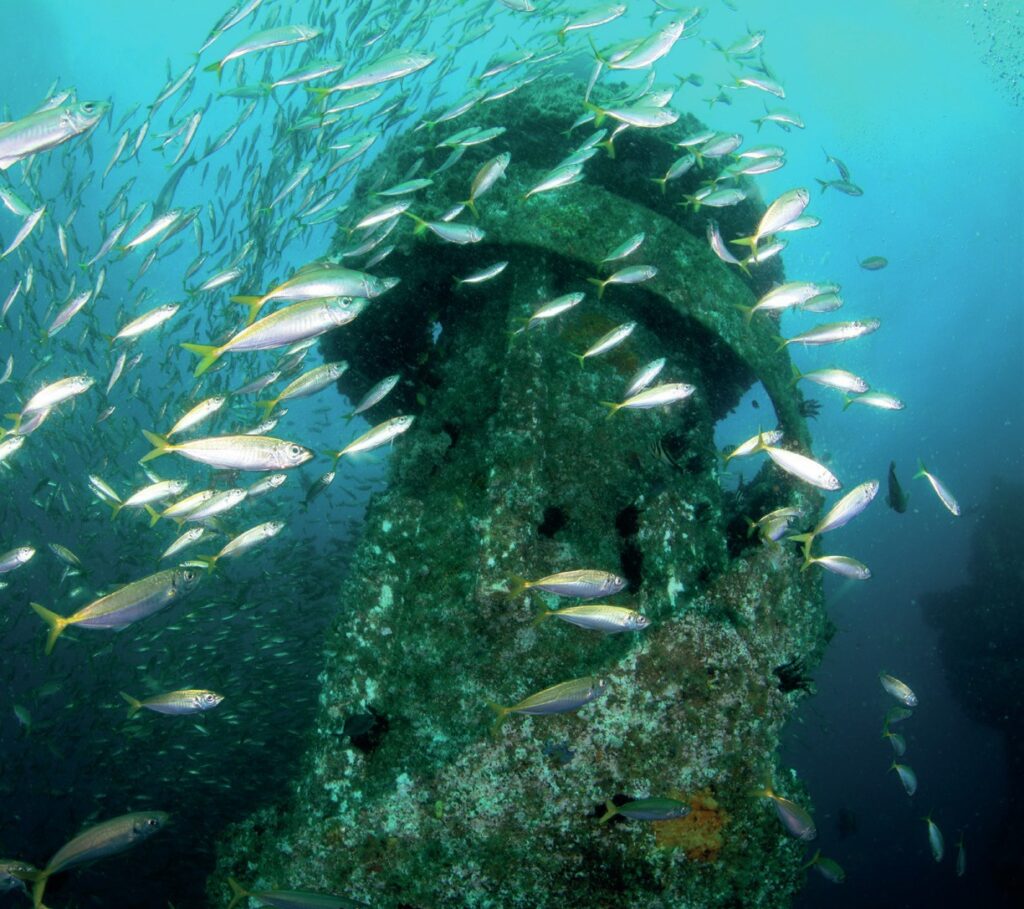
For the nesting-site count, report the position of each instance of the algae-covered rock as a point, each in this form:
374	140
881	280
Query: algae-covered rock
407	797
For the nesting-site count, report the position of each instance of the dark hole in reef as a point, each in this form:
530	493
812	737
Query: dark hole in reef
555	519
627	521
453	431
366	731
702	512
632	562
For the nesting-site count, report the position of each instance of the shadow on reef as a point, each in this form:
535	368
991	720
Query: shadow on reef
981	639
512	469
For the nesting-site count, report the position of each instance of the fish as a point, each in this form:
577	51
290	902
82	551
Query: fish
46	129
483	274
586	583
896	499
939	488
289	325
196	415
598	617
552	308
843	186
606	342
248	539
190	537
14	873
874	263
291	899
376	394
99	841
839	379
146	322
315	282
844	566
907	777
795	820
626	248
827	868
752	445
840	514
307	384
657	396
155	492
631	274
899	690
935	840
27	226
562	698
599	15
653	809
393	65
15	558
834	333
783	297
961	857
784	210
265	40
175	703
644	377
379	435
488	174
800	466
899	744
267	484
880	400
232	452
126	605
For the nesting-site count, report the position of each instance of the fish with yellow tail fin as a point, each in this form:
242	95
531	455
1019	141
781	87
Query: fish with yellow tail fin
97	842
309	383
380	435
631	274
844	511
796	821
646	810
606	342
232	452
298	322
584	583
827	868
125	606
284	36
940	489
564	697
291	899
319	282
176	703
658	396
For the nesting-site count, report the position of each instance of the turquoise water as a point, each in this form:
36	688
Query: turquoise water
922	100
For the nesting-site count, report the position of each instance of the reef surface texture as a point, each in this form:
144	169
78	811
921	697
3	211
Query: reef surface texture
406	798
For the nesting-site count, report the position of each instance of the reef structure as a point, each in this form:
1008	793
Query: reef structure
405	798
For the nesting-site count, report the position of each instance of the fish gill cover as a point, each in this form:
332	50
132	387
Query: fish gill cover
551	663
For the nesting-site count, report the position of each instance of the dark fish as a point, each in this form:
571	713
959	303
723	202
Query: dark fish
896	499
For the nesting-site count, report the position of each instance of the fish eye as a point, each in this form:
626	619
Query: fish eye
88	107
294	451
189	575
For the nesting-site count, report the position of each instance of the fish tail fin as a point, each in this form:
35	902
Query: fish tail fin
597	54
783	344
502	715
471	205
254	304
599	284
750	241
921	470
238	893
580	357
421	225
208	355
748	312
847	401
797	375
267	406
691	200
613	408
56	623
37	890
154	515
610	810
209	561
807	539
751	526
335	456
320	93
160	445
518	586
813	861
599	114
115	509
824	183
216	67
661	181
134	704
541	616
